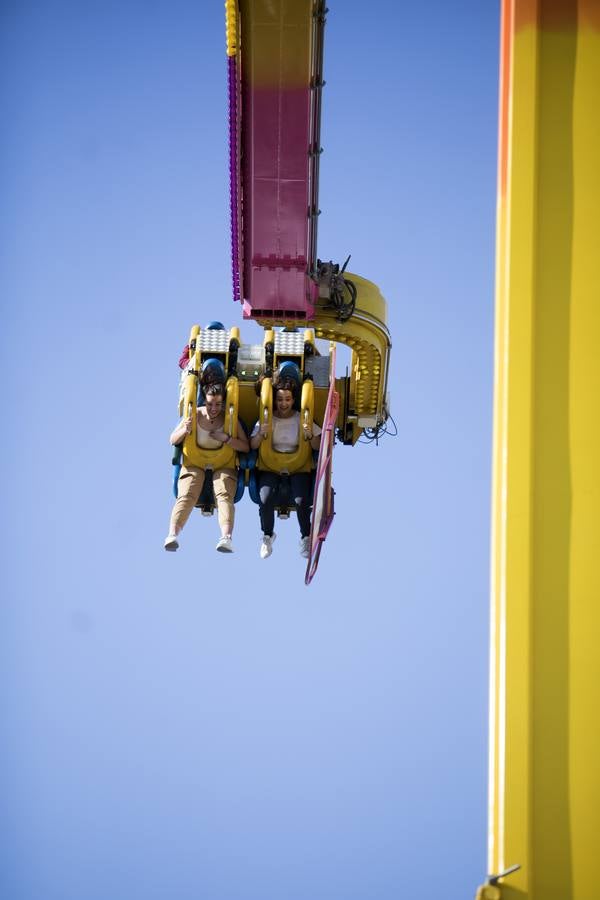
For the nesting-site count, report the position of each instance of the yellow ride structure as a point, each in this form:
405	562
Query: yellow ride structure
544	801
304	306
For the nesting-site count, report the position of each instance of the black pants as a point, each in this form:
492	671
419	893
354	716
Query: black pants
300	487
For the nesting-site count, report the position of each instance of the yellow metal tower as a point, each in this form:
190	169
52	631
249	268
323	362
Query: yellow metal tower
544	804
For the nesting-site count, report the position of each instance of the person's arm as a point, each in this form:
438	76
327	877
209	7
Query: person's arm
258	435
185	357
238	443
313	436
180	431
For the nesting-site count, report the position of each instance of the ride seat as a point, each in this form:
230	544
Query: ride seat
206	500
284	500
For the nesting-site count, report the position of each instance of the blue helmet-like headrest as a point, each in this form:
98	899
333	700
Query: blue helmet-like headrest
291	370
214	368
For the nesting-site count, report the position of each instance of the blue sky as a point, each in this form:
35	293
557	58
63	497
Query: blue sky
192	725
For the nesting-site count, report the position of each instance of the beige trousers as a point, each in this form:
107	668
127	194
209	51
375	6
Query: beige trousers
189	487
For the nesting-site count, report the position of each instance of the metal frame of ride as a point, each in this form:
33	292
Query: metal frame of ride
275	84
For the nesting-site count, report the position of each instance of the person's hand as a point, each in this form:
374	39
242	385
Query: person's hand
308	435
188	425
264	430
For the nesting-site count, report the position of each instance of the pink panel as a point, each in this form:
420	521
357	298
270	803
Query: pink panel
280	71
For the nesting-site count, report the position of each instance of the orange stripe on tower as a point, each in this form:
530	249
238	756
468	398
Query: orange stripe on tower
506	38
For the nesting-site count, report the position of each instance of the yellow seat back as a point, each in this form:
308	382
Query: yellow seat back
193	455
301	459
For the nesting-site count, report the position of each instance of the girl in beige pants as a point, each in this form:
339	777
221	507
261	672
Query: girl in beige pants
210	436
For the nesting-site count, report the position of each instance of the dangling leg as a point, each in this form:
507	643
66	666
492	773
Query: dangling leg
224	486
301	492
189	488
268	483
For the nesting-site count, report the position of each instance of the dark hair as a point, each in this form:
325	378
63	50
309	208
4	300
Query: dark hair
212	371
216	389
258	384
209	377
283	384
286	384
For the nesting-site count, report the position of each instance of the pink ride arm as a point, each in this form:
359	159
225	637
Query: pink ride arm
323	511
275	90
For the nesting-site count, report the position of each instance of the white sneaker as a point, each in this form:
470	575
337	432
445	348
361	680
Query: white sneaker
224	544
266	548
171	542
305	547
